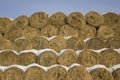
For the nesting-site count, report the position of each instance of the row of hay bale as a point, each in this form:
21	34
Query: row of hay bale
92	24
58	43
59	73
86	57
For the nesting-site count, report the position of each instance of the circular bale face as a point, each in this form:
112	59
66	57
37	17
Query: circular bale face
78	73
67	30
29	32
47	58
39	43
76	20
94	19
110	19
14	34
105	32
101	74
13	73
113	43
49	31
35	73
22	44
88	58
56	73
1	75
67	58
5	44
109	57
8	58
95	43
116	74
5	25
58	43
39	20
27	58
75	43
58	19
21	21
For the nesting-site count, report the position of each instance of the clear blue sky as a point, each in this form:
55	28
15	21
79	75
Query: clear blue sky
14	8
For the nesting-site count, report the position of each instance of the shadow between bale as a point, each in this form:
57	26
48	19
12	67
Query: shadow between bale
116	74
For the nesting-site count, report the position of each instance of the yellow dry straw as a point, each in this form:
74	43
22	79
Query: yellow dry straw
78	73
101	74
47	58
49	31
88	58
113	43
39	43
35	73
1	74
29	32
13	73
94	19
5	44
8	58
27	58
116	74
58	43
14	34
22	44
111	19
109	57
75	43
58	19
68	58
21	21
95	43
67	30
39	20
76	19
56	73
87	32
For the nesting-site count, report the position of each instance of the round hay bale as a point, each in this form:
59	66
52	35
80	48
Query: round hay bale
68	58
78	73
35	73
58	43
116	74
8	58
39	43
29	32
76	20
116	30
47	58
94	19
58	19
101	74
105	32
87	32
110	19
109	57
49	31
56	73
5	44
22	44
13	73
67	30
95	43
21	21
39	20
113	43
88	58
27	58
75	43
14	34
1	75
5	25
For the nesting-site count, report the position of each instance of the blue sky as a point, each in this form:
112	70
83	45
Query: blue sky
15	8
